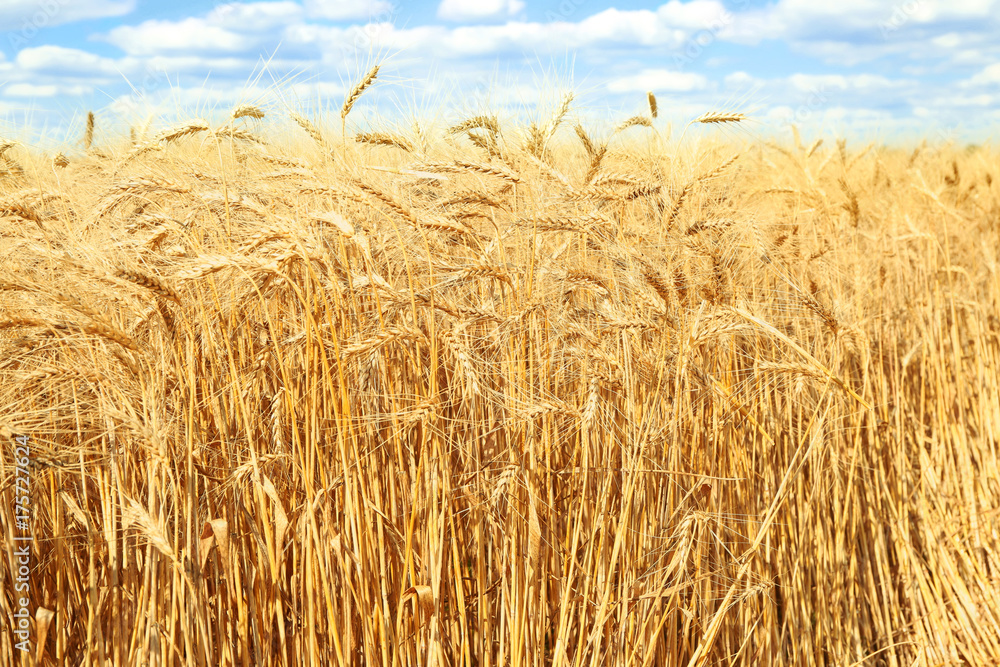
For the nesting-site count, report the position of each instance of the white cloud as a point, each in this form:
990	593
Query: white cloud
814	93
481	40
254	17
59	60
478	10
856	83
340	10
741	80
849	32
316	90
949	40
838	118
515	37
46	90
612	26
810	82
808	16
239	67
989	76
659	80
635	27
186	36
25	17
672	48
983	100
695	15
213	99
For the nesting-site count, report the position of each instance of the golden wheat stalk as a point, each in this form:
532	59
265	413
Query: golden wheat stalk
88	132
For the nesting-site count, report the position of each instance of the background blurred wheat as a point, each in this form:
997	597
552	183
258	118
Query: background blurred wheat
503	396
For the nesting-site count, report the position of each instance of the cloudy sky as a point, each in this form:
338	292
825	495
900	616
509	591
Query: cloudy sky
864	68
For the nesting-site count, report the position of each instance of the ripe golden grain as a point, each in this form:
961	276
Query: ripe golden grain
88	132
310	129
715	117
489	123
634	121
384	139
246	111
594	424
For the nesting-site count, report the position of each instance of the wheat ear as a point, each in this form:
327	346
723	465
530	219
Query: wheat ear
310	129
714	117
633	122
88	132
717	118
247	111
384	139
353	96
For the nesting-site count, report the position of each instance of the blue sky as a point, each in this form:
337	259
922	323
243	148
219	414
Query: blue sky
877	70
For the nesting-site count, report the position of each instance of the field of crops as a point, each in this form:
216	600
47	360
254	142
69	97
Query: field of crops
492	393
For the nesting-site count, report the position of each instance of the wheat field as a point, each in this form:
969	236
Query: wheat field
499	393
